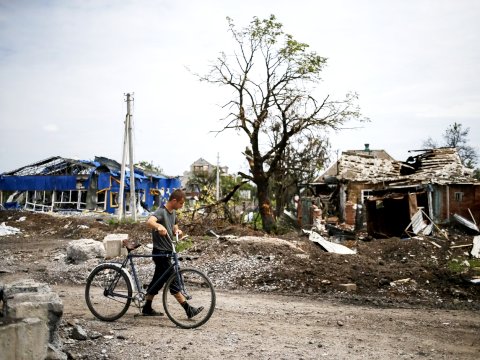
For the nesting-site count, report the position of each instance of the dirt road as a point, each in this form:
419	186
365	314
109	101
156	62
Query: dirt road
433	316
264	326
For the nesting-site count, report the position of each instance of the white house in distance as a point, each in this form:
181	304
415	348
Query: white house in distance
200	167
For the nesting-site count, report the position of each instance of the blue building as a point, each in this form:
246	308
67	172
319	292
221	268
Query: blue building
60	184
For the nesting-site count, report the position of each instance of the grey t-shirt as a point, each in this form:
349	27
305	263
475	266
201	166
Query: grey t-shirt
167	219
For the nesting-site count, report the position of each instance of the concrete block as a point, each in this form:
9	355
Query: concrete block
113	245
116	237
27	298
113	248
24	339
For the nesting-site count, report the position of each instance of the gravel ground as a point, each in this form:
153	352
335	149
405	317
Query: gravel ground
279	297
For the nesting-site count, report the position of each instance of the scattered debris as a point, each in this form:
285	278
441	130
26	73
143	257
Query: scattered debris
401	282
419	225
222	237
466	223
262	240
330	246
475	252
8	230
435	244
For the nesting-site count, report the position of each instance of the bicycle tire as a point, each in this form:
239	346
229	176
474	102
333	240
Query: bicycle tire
108	292
200	293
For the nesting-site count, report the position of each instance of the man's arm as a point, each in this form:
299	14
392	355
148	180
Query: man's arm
152	224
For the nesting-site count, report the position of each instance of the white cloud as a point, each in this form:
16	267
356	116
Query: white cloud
51	128
414	64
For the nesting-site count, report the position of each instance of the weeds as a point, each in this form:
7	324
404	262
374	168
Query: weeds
458	267
125	221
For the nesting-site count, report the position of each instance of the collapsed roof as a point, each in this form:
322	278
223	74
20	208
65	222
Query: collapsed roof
441	166
56	165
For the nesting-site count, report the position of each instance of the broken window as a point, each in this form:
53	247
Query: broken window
459	196
101	203
113	199
365	194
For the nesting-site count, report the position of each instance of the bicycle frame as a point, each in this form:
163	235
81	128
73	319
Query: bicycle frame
128	261
112	287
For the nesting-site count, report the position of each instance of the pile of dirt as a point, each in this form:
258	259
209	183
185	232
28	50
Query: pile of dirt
430	272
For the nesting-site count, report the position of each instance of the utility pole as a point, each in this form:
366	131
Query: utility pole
127	142
218	177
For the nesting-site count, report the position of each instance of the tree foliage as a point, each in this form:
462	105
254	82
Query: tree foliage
302	161
272	77
149	166
205	184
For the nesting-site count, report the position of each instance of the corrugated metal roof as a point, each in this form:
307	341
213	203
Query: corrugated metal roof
55	165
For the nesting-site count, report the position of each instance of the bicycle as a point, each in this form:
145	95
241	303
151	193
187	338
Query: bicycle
110	290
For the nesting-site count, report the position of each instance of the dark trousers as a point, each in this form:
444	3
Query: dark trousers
162	265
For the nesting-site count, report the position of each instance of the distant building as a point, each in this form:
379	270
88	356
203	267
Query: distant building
57	183
200	167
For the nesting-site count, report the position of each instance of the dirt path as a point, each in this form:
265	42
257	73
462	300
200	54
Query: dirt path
260	326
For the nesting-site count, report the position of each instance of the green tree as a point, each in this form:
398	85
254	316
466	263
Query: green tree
149	166
205	184
300	165
476	174
456	136
272	77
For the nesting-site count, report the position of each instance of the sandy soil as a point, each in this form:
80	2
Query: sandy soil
275	300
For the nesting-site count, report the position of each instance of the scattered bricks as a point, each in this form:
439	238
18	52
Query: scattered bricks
347	287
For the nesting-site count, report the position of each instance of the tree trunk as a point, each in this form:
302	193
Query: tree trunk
265	206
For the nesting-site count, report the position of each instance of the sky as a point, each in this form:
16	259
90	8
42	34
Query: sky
66	65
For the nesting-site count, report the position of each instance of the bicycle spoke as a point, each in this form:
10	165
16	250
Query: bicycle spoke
108	293
201	296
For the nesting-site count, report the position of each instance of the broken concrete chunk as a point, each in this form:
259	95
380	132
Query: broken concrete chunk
79	333
84	249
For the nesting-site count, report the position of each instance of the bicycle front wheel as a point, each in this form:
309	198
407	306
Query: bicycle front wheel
199	292
108	292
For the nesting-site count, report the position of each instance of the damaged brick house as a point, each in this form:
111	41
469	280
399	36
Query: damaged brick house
59	183
390	192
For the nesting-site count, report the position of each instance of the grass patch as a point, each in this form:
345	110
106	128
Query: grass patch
458	266
125	221
184	245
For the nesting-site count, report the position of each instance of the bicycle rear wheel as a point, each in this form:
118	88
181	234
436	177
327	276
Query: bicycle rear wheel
198	290
108	292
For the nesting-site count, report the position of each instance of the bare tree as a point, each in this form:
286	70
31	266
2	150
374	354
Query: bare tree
456	136
272	77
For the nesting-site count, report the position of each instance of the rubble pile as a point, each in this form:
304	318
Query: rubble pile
423	271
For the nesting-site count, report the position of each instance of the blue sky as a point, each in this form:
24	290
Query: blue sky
66	65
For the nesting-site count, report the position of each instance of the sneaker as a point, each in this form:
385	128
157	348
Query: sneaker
193	311
151	312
